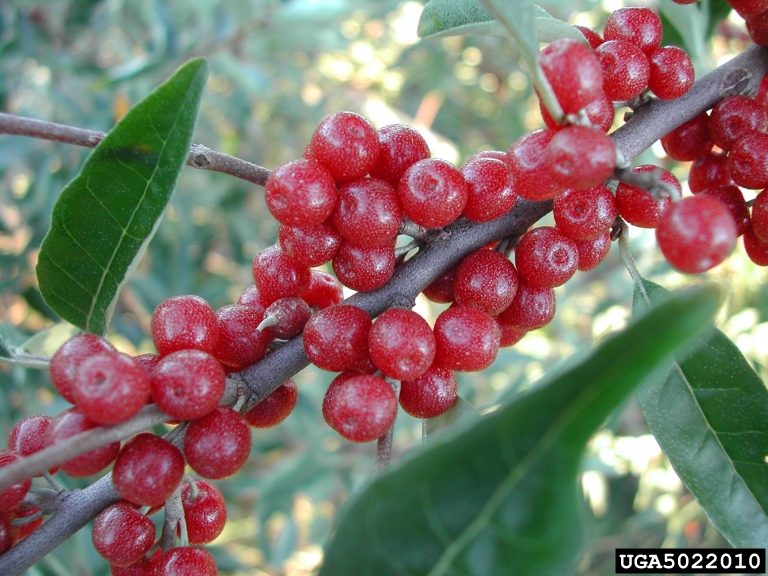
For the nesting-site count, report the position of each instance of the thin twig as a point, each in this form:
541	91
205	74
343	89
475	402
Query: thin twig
384	444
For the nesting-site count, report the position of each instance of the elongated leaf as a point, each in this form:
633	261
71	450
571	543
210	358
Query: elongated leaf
501	497
461	414
709	414
467	17
105	217
692	23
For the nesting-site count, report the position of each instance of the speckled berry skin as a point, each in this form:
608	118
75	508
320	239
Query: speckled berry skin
641	26
490	188
277	276
672	72
323	291
760	216
527	160
626	69
368	212
26	437
300	193
148	470
240	342
735	116
441	289
546	257
364	268
429	395
360	408
585	214
401	344
400	147
581	157
709	170
184	323
67	359
748	161
336	338
289	316
600	113
592	252
733	199
532	308
69	423
274	408
13	496
205	513
346	144
485	280
218	444
637	206
309	246
122	535
186	562
188	384
433	193
573	72
467	339
756	249
689	141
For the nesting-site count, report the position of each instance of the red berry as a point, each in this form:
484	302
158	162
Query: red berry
592	37
734	117
760	216
217	445
69	423
546	257
696	234
573	72
746	8
433	193
205	511
336	338
600	113
581	157
672	73
110	387
144	567
27	435
733	199
757	27
241	343
6	533
148	470
310	246
323	290
401	344
360	408
285	318
253	299
532	308
757	250
625	69
277	275
122	534
707	171
592	252
300	193
186	562
467	339
275	407
690	140
188	384
148	362
748	161
486	280
22	512
641	26
368	212
490	189
12	497
67	359
183	323
510	335
364	268
400	147
346	144
429	395
527	160
585	214
637	206
441	289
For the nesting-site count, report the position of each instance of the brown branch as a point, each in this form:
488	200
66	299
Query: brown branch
649	123
199	157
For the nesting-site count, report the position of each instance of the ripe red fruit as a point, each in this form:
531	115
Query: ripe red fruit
707	171
625	69
6	533
69	423
600	113
336	338
510	335
433	193
275	407
188	384
637	206
122	534
22	513
592	37
672	73
277	275
490	189
581	157
760	216
532	308
368	212
144	567
429	395
467	339
67	359
585	214
641	26
241	343
689	141
285	318
186	562
148	470
364	268
323	290
253	299
217	445
734	117
546	257
184	323
441	289
400	147
205	511
361	408
401	344
757	250
110	387
733	199
592	252
527	160
300	193
12	497
148	362
486	280
346	144
746	8
573	72
696	234
27	435
748	161
309	246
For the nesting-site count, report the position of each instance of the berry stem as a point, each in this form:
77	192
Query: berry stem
35	361
52	481
649	181
384	444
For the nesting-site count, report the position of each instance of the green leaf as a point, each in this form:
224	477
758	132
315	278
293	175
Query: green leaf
502	496
462	413
105	217
709	414
691	21
467	17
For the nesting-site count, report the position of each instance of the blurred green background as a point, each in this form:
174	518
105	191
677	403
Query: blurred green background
278	68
